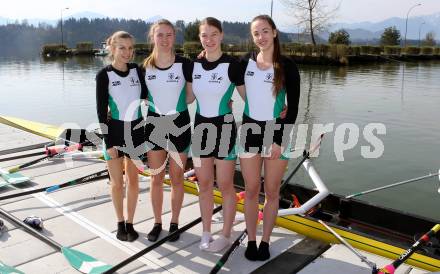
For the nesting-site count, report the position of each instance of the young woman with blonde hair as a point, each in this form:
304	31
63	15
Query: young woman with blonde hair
168	130
120	89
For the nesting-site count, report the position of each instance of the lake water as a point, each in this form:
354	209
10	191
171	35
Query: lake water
403	98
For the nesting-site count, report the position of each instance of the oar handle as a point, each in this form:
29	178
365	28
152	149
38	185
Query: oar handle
50	152
54	150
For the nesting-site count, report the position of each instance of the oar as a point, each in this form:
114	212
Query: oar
17	178
393	185
50	153
6	269
306	155
351	248
157	244
391	268
79	155
91	177
221	262
32	154
78	260
12	178
65	136
24	148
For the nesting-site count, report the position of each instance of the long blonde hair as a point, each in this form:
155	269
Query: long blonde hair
150	61
110	42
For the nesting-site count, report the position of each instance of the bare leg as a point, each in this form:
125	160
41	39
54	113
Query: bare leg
225	180
273	173
251	170
205	176
156	160
177	191
131	172
115	168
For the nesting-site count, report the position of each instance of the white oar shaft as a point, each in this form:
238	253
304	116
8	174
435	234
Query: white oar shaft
392	185
79	155
344	242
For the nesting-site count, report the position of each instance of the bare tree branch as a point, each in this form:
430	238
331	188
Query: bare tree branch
314	15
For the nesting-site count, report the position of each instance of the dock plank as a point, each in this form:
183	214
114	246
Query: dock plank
18	247
295	258
338	259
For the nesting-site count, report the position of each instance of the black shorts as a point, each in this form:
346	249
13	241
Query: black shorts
214	137
127	137
168	132
253	139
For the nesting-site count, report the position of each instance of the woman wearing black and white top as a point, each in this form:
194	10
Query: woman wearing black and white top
168	129
214	78
270	79
120	89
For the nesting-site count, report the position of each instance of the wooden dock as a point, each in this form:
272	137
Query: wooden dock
82	217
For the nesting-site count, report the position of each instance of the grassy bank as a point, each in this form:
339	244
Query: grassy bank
302	53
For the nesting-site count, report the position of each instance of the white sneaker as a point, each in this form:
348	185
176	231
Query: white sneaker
205	240
219	244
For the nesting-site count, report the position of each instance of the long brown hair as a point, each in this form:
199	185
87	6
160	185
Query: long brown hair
110	42
150	61
211	21
279	80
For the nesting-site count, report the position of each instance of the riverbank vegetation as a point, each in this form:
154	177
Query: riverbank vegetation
84	37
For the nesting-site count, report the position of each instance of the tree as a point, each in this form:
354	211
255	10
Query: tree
390	37
313	14
180	30
339	37
429	39
192	31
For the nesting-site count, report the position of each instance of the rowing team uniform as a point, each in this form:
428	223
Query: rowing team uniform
168	121
262	109
122	92
168	124
213	83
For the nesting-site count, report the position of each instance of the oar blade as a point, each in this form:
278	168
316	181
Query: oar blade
6	269
13	178
3	183
83	262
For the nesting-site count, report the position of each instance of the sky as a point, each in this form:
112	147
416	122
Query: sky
350	11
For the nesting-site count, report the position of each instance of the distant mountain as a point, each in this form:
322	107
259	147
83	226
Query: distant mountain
359	32
78	15
86	14
153	19
3	20
374	30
